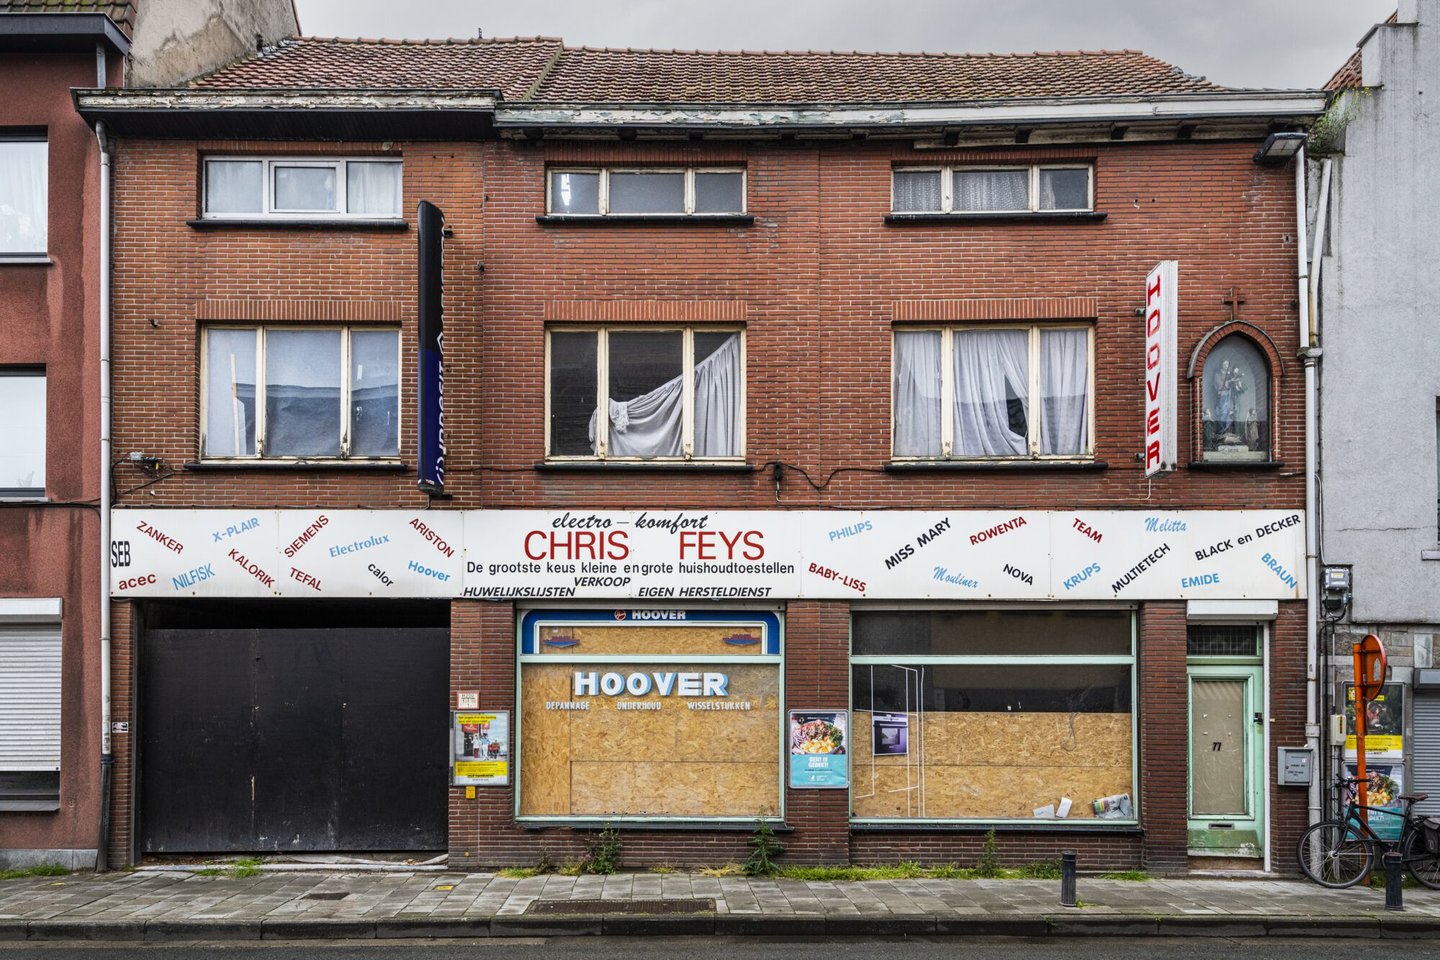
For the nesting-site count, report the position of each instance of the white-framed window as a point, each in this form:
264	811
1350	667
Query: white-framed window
300	392
647	191
994	391
22	432
1033	188
24	195
301	188
669	393
30	700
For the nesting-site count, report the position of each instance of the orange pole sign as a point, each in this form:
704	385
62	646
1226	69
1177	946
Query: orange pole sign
1370	667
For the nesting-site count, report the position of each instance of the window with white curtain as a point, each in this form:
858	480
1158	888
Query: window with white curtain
1034	188
24	195
302	188
646	394
300	392
993	391
650	191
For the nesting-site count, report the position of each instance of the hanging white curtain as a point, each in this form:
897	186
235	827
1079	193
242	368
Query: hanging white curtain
991	374
917	190
373	188
1064	391
917	393
24	185
992	189
650	425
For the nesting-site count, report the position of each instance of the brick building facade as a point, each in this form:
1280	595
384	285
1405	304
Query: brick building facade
1009	221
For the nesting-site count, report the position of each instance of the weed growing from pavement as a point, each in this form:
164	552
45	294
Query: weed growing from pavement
603	855
39	870
239	870
767	846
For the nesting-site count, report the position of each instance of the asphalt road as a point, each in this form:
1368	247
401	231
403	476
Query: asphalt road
736	948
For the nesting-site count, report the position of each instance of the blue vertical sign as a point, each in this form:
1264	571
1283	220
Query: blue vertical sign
819	751
430	395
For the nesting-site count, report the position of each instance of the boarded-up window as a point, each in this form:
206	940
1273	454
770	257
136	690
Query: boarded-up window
992	715
650	714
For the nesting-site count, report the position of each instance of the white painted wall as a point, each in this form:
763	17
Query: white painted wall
176	40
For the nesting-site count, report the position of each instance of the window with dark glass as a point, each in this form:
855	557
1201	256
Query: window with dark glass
646	393
1235	412
301	392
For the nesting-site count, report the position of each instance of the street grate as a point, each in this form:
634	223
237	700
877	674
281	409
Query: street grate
627	907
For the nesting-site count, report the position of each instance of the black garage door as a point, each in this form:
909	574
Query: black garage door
294	739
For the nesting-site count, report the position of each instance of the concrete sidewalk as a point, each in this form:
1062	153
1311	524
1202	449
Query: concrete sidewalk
277	905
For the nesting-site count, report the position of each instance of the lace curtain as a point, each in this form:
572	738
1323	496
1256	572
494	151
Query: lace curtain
24	183
992	382
992	189
1064	391
917	393
651	424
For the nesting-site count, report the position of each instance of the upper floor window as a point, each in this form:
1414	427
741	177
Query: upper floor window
1235	414
993	392
1014	189
22	432
668	394
649	191
24	190
301	392
301	188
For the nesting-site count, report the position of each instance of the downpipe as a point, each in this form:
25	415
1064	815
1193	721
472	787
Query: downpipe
107	756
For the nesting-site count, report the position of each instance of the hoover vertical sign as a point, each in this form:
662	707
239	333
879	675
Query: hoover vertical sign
1160	367
430	431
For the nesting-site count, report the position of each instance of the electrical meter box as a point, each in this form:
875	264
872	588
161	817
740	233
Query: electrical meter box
1295	766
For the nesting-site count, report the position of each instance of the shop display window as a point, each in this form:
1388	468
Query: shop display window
649	714
991	715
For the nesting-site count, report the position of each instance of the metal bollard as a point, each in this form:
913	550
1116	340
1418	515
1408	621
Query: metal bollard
1067	878
1394	899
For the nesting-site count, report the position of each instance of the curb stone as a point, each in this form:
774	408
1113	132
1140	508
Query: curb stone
203	930
401	928
317	929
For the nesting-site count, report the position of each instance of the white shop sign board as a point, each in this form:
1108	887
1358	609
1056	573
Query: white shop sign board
695	556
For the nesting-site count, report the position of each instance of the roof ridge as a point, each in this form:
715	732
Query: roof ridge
430	41
864	53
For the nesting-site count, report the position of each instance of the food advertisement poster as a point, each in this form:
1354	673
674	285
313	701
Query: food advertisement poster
1387	782
1384	722
480	749
890	734
819	748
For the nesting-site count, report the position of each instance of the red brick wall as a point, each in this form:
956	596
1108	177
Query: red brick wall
49	316
818	279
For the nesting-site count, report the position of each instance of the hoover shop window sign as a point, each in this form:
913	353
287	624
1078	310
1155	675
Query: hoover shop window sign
649	714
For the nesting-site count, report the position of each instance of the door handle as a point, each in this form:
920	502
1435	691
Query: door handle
1259	719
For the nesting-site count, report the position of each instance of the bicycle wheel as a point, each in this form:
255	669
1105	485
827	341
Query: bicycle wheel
1333	854
1423	865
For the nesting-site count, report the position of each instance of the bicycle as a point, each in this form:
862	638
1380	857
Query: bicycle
1339	853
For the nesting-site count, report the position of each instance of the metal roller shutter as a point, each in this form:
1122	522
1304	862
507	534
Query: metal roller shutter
30	697
1425	753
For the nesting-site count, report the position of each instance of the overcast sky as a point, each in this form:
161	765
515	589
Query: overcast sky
1238	43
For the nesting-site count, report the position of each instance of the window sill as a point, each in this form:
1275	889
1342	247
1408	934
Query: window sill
1080	216
310	223
26	260
23	496
310	465
712	220
995	466
688	826
640	466
30	806
999	826
1430	554
1236	464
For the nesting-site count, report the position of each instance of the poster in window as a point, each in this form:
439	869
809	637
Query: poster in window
819	750
480	749
1387	782
890	734
1384	722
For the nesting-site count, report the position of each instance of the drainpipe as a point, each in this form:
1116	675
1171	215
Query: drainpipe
107	757
1309	354
1312	427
